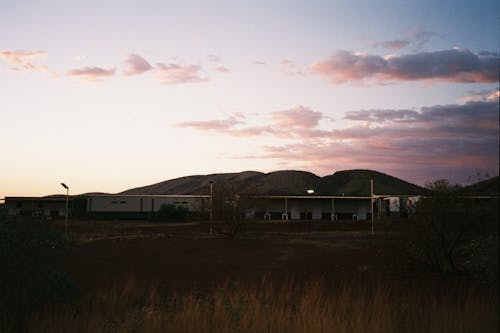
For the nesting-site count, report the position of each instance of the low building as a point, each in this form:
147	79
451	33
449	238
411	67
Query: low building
260	207
43	207
141	206
311	207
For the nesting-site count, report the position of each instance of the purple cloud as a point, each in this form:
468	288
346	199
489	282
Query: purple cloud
456	65
136	65
212	125
417	38
452	141
92	73
178	74
393	44
298	121
298	116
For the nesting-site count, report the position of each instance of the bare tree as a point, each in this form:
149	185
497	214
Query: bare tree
447	224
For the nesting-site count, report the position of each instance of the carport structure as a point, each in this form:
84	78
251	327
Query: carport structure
311	207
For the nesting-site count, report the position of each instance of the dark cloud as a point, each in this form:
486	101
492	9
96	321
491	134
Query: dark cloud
456	65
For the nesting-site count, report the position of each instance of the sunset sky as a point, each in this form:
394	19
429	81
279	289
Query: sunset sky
109	95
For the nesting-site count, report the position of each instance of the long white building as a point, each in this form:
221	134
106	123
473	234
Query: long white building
141	206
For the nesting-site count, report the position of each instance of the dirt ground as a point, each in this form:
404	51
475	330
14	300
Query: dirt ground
186	256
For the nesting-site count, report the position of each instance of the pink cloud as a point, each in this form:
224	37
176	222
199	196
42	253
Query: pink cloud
222	69
213	58
21	56
22	60
481	96
451	141
298	116
396	44
136	65
456	65
212	125
92	73
178	74
258	62
289	68
298	121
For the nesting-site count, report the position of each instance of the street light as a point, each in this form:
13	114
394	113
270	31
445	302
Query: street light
67	201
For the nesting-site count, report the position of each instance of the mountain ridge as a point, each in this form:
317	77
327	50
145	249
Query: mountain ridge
285	182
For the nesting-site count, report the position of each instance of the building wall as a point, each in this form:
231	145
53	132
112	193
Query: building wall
139	206
40	207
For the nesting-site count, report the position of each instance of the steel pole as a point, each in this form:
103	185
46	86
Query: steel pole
371	201
211	205
66	219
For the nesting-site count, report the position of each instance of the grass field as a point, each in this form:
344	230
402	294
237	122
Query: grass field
272	277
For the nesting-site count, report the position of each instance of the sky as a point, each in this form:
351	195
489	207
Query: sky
110	95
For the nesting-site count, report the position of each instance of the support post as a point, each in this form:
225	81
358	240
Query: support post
286	208
371	201
67	204
211	205
333	209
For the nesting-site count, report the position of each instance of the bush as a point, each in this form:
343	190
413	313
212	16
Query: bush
172	213
451	232
25	284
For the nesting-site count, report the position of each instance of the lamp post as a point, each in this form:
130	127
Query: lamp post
66	212
211	204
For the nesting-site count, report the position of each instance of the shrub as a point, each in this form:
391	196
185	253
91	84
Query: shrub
172	213
25	284
449	234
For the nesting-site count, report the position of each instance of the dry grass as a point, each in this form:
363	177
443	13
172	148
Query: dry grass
278	306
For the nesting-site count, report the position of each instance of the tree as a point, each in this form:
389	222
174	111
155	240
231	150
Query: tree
447	225
230	204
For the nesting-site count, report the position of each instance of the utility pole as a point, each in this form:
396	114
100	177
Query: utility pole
211	204
371	200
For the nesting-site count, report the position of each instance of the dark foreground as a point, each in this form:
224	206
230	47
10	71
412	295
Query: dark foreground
271	277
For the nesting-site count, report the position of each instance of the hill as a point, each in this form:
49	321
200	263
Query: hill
287	182
485	187
357	182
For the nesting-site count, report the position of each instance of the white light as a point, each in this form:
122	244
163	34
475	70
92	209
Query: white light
310	191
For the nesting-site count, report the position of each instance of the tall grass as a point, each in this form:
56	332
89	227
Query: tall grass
278	306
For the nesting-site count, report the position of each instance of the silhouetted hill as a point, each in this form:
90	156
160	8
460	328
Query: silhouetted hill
198	184
288	182
357	182
485	187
